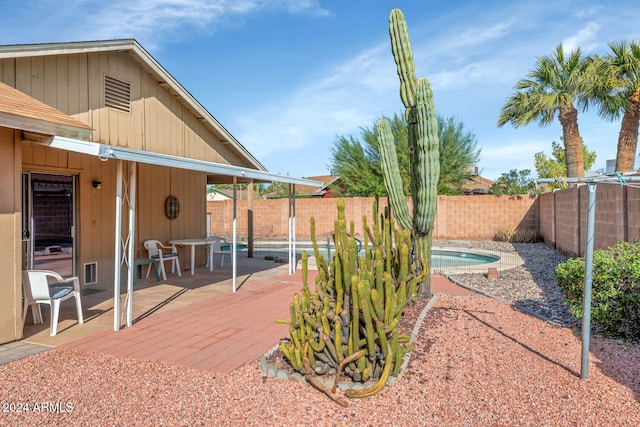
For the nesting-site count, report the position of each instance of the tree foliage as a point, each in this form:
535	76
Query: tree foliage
357	161
554	88
514	182
555	166
616	90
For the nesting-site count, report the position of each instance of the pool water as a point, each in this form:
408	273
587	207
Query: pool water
439	258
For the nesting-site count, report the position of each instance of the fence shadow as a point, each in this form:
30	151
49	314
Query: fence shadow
532	287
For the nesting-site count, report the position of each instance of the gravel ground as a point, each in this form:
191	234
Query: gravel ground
530	286
477	362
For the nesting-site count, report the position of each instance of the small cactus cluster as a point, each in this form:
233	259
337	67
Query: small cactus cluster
348	324
424	149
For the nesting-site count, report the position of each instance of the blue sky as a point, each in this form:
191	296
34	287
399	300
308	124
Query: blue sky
286	77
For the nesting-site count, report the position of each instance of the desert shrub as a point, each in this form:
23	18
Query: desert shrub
516	236
615	303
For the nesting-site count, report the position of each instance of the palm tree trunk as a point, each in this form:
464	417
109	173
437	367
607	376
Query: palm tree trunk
628	138
572	142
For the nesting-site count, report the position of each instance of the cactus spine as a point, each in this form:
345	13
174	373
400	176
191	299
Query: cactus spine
424	146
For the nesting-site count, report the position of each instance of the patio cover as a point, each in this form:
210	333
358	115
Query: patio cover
105	152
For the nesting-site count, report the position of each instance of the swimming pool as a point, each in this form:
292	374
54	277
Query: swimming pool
440	258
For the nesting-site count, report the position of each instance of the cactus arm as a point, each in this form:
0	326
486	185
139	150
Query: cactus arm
377	386
403	56
391	175
427	159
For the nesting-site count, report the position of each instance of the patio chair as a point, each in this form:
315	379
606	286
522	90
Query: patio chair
29	301
155	249
214	244
42	293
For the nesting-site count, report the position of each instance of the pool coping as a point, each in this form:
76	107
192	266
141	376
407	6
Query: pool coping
506	260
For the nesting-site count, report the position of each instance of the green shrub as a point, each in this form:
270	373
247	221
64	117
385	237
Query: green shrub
516	236
615	288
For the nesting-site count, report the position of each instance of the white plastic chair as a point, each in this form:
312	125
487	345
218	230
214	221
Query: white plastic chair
43	293
214	246
155	249
29	301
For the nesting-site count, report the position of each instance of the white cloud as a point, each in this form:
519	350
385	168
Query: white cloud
154	21
584	38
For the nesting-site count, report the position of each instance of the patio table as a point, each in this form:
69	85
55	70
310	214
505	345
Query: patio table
193	243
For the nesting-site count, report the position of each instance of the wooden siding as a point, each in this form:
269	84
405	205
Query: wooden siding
96	207
158	121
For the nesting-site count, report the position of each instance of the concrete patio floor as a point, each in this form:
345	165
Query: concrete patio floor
195	321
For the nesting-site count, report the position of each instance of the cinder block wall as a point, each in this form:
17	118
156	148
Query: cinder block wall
457	217
563	217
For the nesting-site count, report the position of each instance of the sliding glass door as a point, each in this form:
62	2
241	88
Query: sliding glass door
49	222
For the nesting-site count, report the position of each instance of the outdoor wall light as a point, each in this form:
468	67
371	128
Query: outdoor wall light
96	184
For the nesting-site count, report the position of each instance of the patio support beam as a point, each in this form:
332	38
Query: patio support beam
292	228
116	257
250	219
234	232
130	240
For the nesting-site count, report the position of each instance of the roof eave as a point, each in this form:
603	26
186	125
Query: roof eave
148	62
30	124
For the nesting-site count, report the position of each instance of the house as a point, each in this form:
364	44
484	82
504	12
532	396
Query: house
476	184
93	134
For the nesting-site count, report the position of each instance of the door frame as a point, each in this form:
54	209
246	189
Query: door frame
27	218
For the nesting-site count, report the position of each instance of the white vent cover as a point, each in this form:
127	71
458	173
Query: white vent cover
117	94
90	273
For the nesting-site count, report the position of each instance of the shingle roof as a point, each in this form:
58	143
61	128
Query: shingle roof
20	111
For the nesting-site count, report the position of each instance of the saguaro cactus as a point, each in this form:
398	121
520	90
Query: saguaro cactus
424	151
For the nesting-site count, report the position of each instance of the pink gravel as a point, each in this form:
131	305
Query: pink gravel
477	362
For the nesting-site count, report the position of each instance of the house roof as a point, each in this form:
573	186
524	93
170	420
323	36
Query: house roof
150	65
20	111
477	184
326	180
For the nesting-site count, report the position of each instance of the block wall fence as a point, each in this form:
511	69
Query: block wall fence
559	217
457	218
563	217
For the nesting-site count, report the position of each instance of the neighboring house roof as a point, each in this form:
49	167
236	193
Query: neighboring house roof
307	190
475	184
149	64
20	111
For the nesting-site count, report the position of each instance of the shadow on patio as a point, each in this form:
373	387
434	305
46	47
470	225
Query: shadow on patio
152	298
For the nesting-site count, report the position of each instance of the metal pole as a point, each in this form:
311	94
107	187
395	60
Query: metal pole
588	270
131	239
234	233
116	262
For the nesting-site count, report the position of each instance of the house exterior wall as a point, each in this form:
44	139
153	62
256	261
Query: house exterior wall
11	248
158	122
96	207
457	217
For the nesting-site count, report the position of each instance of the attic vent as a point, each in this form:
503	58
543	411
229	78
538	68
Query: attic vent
117	94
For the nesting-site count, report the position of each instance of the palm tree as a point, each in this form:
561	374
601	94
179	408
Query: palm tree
554	86
619	92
